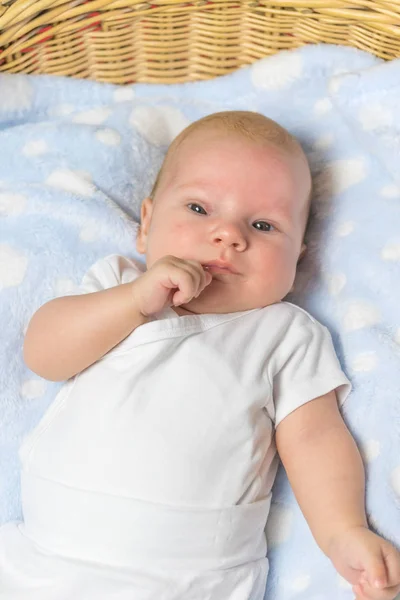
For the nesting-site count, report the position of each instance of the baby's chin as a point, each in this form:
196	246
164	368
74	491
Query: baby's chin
219	298
200	307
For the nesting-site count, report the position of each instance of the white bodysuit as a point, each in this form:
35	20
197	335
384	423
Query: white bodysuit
149	477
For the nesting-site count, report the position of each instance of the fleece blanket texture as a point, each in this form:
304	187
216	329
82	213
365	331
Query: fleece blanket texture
77	158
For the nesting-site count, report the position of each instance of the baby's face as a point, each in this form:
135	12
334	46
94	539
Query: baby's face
224	198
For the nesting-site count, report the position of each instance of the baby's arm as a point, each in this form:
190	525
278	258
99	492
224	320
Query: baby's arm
69	334
324	468
326	472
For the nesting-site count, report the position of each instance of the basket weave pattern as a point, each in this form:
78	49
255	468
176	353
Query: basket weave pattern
168	41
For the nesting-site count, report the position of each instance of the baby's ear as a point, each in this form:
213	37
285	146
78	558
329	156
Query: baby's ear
146	211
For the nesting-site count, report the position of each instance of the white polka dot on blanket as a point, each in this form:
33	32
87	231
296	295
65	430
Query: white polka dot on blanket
108	136
390	191
335	282
95	116
159	125
35	148
61	110
279	525
344	228
322	107
335	83
86	175
395	480
339	175
16	93
323	142
364	362
391	251
71	181
276	72
64	286
12	204
124	94
370	450
359	315
33	388
374	116
13	265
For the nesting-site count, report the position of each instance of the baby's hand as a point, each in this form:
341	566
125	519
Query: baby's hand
368	562
170	281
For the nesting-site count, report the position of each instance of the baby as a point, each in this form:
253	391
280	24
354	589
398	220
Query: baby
150	476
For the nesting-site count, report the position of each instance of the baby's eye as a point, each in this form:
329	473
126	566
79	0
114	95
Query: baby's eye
197	208
263	226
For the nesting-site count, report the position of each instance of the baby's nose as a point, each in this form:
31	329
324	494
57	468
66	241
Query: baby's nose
230	234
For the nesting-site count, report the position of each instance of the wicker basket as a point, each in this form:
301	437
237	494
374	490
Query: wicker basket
123	41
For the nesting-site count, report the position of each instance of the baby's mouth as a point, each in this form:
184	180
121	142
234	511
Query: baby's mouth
216	269
220	267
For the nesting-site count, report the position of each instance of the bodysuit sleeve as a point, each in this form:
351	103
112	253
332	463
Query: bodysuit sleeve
109	272
305	368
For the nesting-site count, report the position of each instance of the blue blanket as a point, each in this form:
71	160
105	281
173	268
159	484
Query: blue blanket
77	158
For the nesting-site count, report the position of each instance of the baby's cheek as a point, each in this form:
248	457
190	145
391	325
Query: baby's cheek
183	234
169	236
282	272
181	228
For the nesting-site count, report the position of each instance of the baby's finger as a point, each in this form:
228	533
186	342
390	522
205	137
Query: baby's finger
392	559
358	592
375	573
363	591
201	277
194	269
384	572
206	280
186	285
205	277
182	296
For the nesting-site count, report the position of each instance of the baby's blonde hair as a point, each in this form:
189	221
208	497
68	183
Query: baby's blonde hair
251	125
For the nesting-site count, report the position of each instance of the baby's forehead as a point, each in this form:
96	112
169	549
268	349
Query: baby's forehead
218	133
211	145
216	151
206	142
